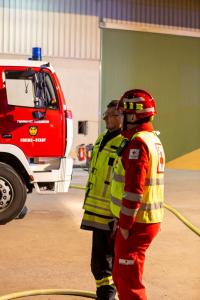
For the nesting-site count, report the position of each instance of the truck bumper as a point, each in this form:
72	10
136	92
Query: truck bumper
60	178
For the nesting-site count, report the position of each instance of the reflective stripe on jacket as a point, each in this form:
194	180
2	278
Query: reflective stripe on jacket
97	199
151	209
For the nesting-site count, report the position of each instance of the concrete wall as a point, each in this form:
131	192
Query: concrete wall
80	82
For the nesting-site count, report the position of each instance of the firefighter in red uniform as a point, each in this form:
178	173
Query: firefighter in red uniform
136	193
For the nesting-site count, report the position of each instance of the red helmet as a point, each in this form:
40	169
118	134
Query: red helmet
139	102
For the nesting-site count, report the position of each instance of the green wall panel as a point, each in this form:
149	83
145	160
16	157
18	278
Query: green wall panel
168	67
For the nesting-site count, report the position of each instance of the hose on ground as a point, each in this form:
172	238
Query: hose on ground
86	294
171	209
79	187
43	292
183	219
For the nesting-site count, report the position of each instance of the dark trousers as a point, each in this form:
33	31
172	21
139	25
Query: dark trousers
102	263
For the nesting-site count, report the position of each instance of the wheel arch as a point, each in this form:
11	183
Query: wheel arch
17	165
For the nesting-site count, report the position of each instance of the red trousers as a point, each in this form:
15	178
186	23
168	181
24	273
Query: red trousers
129	260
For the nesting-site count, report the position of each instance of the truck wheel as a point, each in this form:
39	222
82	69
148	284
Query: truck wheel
12	193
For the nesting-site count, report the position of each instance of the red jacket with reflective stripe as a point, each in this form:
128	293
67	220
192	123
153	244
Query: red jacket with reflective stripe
135	160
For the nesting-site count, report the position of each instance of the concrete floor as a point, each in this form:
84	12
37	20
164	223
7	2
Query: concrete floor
48	250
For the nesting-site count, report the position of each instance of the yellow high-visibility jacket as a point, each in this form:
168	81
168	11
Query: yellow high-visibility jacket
97	199
151	209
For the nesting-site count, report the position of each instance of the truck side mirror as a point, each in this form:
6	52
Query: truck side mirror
38	115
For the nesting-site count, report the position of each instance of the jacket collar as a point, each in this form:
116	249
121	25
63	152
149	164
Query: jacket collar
140	127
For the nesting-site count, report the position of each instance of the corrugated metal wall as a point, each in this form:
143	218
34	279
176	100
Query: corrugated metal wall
63	28
178	13
70	28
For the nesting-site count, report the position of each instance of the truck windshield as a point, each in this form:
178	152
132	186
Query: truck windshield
26	88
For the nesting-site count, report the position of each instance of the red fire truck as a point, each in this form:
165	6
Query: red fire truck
35	134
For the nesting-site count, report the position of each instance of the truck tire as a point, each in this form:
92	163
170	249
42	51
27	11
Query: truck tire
12	193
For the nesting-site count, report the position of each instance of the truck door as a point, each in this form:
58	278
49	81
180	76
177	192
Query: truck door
30	113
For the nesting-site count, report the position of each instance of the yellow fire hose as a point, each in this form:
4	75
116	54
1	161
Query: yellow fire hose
183	219
85	294
88	295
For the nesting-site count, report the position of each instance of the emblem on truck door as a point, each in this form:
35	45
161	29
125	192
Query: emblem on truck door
33	130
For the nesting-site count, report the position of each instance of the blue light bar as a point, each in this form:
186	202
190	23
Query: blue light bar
36	53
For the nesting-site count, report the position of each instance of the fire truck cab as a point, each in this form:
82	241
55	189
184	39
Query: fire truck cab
35	134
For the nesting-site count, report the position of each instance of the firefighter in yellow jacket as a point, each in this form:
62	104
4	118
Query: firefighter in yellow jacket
97	215
137	192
